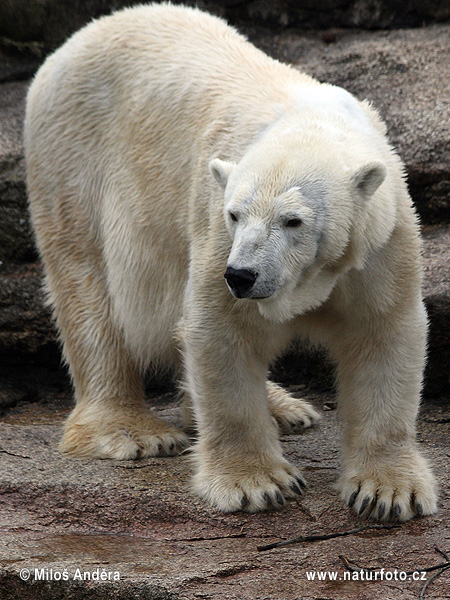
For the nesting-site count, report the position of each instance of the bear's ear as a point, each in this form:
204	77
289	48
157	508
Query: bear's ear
221	170
368	178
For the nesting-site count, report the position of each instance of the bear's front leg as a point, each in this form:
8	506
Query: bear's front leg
238	457
380	364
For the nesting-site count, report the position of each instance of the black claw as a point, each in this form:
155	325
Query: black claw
267	499
397	511
244	501
301	482
172	447
296	488
279	498
381	510
419	509
364	505
159	448
353	497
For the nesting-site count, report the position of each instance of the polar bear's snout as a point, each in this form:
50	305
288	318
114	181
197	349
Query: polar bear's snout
240	281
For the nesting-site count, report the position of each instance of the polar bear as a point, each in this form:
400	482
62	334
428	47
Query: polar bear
199	205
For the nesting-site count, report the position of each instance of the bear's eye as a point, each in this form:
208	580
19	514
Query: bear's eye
293	223
233	217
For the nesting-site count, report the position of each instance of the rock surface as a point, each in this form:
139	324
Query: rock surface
51	21
140	520
437	300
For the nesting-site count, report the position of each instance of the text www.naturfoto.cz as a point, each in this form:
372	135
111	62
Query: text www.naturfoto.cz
362	575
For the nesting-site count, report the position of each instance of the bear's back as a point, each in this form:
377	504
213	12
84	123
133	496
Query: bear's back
182	48
165	53
128	100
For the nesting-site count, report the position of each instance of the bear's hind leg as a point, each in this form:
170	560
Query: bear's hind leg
291	414
110	419
121	434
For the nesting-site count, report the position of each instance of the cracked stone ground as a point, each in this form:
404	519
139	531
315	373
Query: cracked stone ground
139	519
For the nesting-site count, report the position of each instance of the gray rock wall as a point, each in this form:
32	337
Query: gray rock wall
403	72
51	21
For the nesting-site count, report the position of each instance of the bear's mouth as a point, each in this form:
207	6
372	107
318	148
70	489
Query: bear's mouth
248	296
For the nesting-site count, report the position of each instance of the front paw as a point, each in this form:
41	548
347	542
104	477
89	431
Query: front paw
247	484
395	486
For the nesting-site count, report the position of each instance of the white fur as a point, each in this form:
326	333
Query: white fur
163	148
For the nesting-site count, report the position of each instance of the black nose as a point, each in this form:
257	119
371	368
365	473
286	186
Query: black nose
240	280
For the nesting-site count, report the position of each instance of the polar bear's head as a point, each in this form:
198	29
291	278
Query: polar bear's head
298	219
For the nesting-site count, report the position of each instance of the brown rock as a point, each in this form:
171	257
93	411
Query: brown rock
140	520
24	321
16	243
437	300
